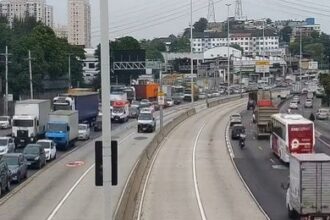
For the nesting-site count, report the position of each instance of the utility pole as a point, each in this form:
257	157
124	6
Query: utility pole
161	115
69	70
6	54
263	39
228	56
30	71
191	54
300	56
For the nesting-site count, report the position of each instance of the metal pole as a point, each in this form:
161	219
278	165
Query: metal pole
263	48
6	78
161	116
228	56
240	78
191	54
106	122
300	56
30	71
69	70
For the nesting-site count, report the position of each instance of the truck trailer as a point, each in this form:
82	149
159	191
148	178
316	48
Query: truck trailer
147	91
30	120
308	194
62	128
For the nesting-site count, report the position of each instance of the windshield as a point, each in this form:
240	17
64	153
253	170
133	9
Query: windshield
117	110
144	116
22	123
12	160
3	142
61	107
82	127
57	127
3	118
135	103
31	150
44	144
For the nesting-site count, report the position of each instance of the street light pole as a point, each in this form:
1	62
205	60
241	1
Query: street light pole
228	56
191	54
300	56
161	116
106	122
6	78
30	71
263	39
69	70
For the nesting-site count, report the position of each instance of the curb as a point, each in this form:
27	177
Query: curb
232	156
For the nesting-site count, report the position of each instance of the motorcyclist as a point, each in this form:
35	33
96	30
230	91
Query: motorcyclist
242	140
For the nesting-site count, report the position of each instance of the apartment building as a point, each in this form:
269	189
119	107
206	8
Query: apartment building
61	31
21	8
79	25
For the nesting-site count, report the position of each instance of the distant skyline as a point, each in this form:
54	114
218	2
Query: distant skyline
160	18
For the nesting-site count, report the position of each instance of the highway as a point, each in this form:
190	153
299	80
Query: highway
60	191
263	171
193	176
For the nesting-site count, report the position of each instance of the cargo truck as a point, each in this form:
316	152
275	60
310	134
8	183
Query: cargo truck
85	102
308	192
62	128
30	120
147	91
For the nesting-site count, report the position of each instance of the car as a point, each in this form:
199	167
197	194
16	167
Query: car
5	176
304	91
322	114
133	112
293	105
156	105
235	121
98	123
7	145
135	104
5	122
17	165
235	116
169	102
202	96
310	95
146	122
308	103
35	155
296	99
49	147
145	102
83	132
237	130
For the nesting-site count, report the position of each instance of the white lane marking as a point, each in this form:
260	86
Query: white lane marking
328	145
60	204
200	205
51	216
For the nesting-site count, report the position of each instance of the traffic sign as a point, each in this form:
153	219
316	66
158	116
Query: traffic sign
161	98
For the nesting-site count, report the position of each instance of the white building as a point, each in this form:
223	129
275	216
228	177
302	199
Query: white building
252	41
90	64
61	31
79	26
21	8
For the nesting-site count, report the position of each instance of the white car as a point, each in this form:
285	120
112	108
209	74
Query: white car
322	114
84	132
293	105
49	147
5	122
169	102
7	145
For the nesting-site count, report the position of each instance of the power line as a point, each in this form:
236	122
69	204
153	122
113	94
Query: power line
311	7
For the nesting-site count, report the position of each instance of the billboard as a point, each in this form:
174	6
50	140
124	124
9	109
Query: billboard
262	66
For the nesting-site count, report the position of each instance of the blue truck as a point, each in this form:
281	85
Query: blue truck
85	102
62	128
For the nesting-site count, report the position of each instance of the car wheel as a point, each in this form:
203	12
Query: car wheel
8	186
54	157
18	177
39	164
25	174
0	190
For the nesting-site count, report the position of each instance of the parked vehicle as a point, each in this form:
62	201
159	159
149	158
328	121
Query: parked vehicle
237	130
49	147
85	102
62	128
146	122
5	176
308	192
293	105
322	114
120	111
5	122
30	120
35	155
7	145
291	133
17	165
308	103
83	132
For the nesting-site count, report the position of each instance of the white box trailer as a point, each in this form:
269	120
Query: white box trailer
308	194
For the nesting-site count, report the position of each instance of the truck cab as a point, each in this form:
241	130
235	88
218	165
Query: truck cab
120	111
58	132
25	129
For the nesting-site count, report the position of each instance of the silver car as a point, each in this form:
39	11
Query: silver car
7	145
308	103
322	114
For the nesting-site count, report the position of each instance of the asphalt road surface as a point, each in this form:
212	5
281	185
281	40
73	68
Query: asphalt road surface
193	177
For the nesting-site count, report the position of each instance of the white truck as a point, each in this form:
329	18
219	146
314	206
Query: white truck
308	193
62	128
30	120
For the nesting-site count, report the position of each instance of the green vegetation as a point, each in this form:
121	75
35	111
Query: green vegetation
49	53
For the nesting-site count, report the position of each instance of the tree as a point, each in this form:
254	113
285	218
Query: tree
180	45
285	34
200	25
268	21
125	43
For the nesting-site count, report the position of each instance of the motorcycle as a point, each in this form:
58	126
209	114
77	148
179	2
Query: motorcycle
242	140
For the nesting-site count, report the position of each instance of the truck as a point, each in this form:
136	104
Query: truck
177	94
167	89
30	120
120	111
62	128
187	92
263	112
308	192
85	102
252	101
147	91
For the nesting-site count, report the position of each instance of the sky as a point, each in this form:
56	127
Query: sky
147	19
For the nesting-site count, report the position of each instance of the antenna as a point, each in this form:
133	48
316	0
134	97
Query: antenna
238	9
211	12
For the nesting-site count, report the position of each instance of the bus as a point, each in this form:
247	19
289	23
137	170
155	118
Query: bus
291	133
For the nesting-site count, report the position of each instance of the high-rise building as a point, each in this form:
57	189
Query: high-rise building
79	26
61	31
21	8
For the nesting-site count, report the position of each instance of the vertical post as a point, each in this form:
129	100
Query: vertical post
69	70
106	123
228	56
300	56
6	78
30	71
191	54
240	78
263	48
161	116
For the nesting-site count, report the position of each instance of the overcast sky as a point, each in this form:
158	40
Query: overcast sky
159	18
